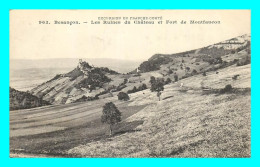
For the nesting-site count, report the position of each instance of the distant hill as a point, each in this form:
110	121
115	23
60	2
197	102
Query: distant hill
201	59
23	100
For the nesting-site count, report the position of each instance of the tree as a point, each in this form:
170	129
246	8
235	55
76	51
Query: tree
187	68
152	79
125	81
175	77
170	71
194	72
111	115
143	87
157	86
123	96
134	89
204	73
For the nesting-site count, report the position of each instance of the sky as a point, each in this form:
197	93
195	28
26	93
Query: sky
31	40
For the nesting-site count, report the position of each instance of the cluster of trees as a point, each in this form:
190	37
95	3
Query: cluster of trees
214	51
114	88
224	64
194	72
94	79
85	65
157	85
213	60
85	98
23	100
140	88
154	64
103	70
121	86
148	66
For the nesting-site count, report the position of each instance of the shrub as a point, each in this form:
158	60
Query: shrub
187	68
235	77
85	98
143	87
227	89
194	72
125	81
168	80
123	96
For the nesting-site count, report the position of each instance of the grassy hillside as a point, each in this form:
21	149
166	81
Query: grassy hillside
84	80
189	121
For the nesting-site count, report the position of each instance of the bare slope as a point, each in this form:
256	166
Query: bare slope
84	80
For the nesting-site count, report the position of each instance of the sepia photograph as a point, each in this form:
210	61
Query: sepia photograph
130	84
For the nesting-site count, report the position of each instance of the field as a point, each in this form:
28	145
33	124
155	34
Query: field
50	130
188	122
